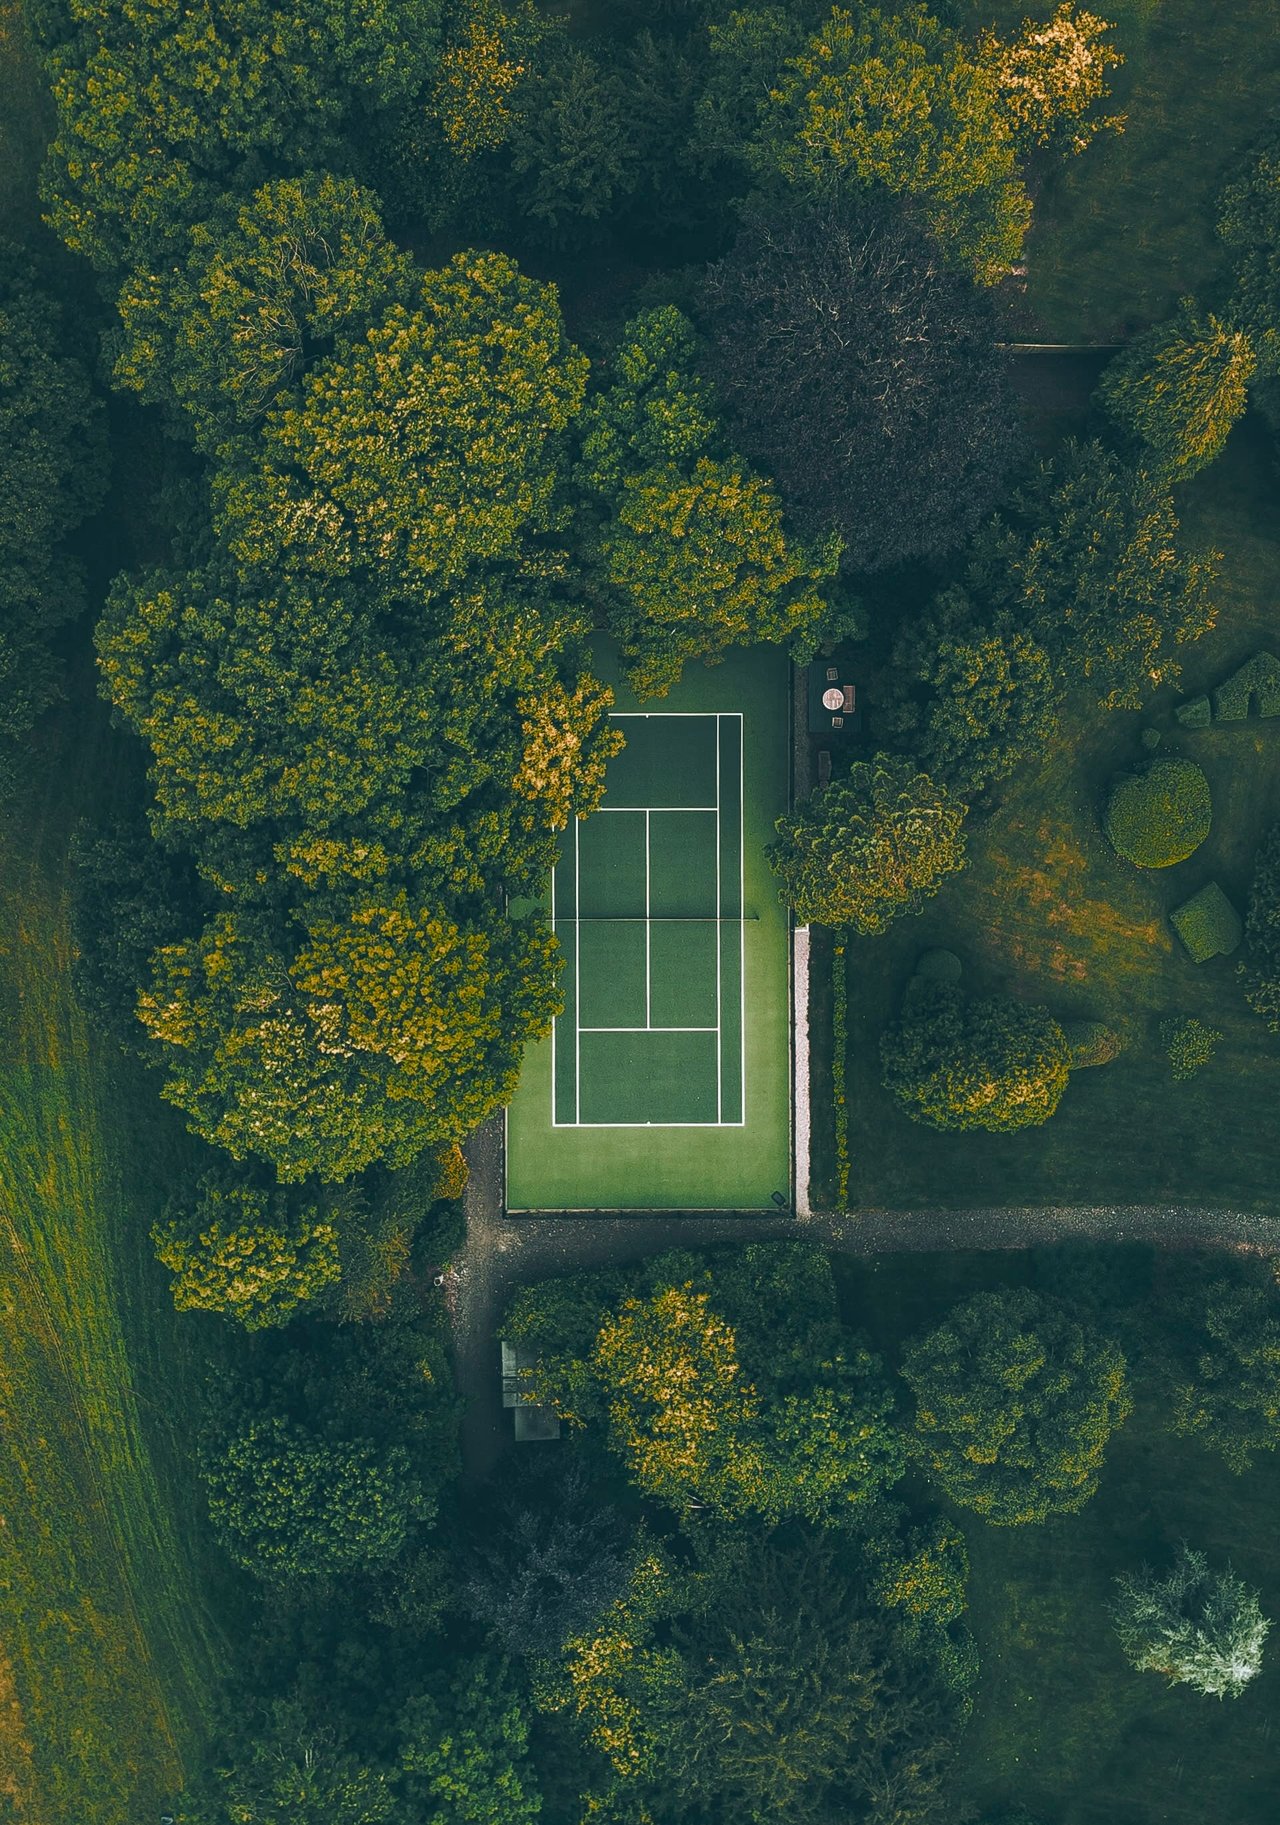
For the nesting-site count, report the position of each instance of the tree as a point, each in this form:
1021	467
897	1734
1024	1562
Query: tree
1015	1402
1249	224
694	564
1261	966
899	102
863	373
795	1704
484	384
1051	76
389	1029
53	472
864	850
284	1768
570	145
288	1505
1226	1375
466	1761
238	1246
974	698
1090	562
269	284
687	548
1176	392
160	108
1198	1627
1160	813
954	1061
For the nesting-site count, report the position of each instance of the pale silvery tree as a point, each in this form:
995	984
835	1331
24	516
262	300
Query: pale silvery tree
1199	1627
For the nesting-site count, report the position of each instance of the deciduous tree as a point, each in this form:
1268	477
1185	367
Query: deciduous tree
1015	1403
248	1250
1226	1372
1090	561
1198	1627
864	850
863	373
1176	392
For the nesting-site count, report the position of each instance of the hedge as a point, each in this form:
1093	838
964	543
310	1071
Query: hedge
1208	924
1159	815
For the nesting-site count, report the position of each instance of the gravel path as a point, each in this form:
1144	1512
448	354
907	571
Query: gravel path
502	1252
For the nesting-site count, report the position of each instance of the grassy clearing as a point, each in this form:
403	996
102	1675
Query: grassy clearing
105	1588
1124	231
1062	1725
1046	911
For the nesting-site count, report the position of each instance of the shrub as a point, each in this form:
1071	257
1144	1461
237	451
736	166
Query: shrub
1208	924
249	1250
1159	815
1200	1628
1015	1402
1189	1043
953	1062
1092	1043
1257	682
1261	966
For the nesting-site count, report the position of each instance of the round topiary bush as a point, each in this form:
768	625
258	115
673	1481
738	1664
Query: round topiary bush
1159	815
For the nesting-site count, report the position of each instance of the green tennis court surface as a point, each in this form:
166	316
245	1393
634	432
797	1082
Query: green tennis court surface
666	1081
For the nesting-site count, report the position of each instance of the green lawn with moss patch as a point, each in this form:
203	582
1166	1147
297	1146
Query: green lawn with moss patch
1129	227
1046	911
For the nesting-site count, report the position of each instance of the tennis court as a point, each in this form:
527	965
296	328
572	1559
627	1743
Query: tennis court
654	1091
647	905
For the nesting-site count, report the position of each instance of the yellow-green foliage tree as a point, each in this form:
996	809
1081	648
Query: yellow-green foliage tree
901	102
954	1061
732	1386
160	107
268	285
431	443
863	851
686	547
1176	392
245	1249
1015	1403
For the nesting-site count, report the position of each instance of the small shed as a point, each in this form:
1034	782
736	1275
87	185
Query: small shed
533	1420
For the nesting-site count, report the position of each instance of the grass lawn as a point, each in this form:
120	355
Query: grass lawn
1046	911
106	1575
1062	1725
1125	230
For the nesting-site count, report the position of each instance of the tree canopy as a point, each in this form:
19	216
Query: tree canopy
687	549
1090	561
955	1061
863	373
1198	1627
1015	1402
1176	392
862	851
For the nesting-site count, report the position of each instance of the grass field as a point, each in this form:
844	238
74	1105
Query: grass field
669	1072
107	1579
1046	911
1125	230
1062	1725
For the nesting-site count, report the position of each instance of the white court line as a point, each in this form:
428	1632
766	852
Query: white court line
648	1029
648	933
634	810
556	1021
742	914
577	973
